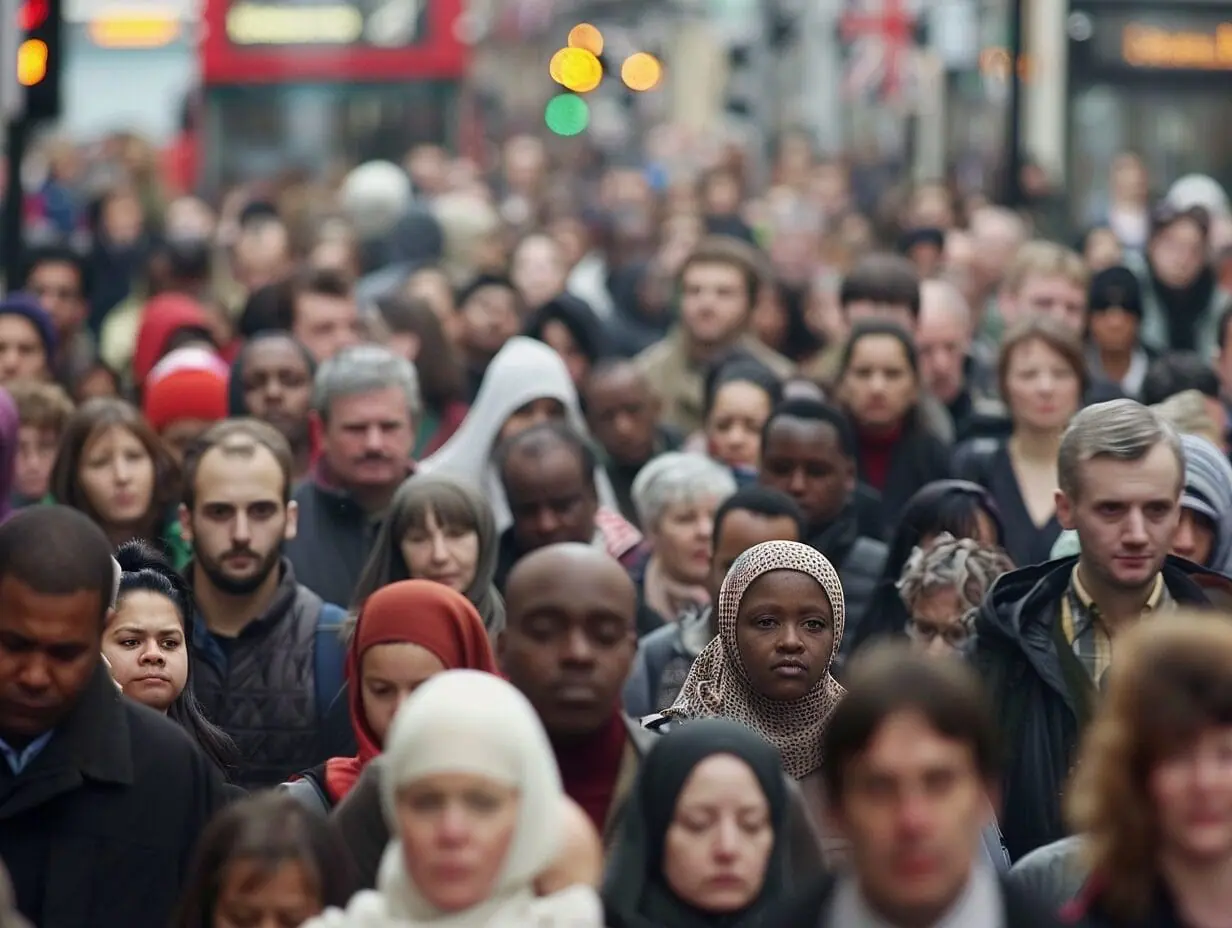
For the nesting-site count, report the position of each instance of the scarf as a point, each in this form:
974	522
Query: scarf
668	597
718	685
590	768
417	612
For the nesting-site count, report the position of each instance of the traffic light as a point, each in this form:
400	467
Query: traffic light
40	27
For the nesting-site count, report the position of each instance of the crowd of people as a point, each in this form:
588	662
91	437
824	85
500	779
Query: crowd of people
440	552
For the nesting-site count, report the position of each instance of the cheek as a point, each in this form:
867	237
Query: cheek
379	713
177	666
684	865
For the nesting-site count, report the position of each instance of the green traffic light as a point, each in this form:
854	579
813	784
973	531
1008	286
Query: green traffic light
567	114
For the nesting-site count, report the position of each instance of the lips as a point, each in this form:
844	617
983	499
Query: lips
791	669
575	693
154	678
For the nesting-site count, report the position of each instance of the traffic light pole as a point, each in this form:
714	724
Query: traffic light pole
11	231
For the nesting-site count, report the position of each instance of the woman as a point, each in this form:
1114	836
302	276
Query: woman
569	327
1205	532
941	588
145	643
475	806
1042	376
112	467
879	388
957	507
407	632
264	860
676	495
702	841
739	396
780	626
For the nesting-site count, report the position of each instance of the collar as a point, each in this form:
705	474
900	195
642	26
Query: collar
279	606
980	905
1088	602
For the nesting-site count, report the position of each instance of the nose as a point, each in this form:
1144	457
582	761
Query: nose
121	469
373	438
452	825
440	552
705	528
578	649
789	641
1134	531
546	522
795	484
912	813
152	653
241	531
34	675
726	840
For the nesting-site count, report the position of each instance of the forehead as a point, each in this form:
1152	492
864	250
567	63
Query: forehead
274	352
1051	283
1158	475
49	619
548	468
14	327
879	349
787	582
56	268
234	474
744	529
387	403
907	741
713	273
787	433
577	590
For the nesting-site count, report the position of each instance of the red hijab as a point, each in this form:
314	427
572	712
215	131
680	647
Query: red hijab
418	612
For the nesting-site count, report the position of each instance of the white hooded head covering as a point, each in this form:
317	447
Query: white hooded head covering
522	371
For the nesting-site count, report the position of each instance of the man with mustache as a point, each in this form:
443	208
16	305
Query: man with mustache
267	661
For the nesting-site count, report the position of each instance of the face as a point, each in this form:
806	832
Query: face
720	838
446	554
36	453
1102	250
536	412
569	647
558	337
912	807
278	386
1126	514
432	286
538	270
117	476
623	415
249	896
1042	389
179	435
488	319
714	303
1195	537
942	341
1178	253
239	520
1063	299
455	830
1114	329
805	460
49	647
144	643
879	386
733	428
551	500
390	673
57	285
369	437
22	355
682	539
1192	795
935	625
326	324
785	634
262	256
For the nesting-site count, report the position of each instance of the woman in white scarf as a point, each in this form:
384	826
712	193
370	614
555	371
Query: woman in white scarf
474	800
528	383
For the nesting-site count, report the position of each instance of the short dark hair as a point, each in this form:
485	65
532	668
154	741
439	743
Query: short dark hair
731	251
740	367
316	281
872	328
238	437
882	278
887	679
813	411
538	440
1177	372
763	501
58	551
57	254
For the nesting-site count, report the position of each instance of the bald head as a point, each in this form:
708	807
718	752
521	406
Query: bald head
941	300
544	571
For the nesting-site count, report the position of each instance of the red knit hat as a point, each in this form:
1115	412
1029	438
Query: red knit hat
189	393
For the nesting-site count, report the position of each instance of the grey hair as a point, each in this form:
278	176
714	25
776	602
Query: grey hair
365	369
964	565
678	477
1124	430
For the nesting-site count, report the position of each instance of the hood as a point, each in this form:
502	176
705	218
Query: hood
163	317
9	426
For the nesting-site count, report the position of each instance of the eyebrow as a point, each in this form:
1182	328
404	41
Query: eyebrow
133	630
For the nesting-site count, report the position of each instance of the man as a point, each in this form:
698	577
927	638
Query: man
490	313
56	277
1046	279
718	286
27	339
911	767
808	452
949	370
997	234
271	380
324	314
268	658
748	517
366	404
262	253
102	800
43	410
1045	633
623	414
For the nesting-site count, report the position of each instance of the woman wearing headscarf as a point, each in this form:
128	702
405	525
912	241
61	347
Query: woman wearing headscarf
683	860
781	620
472	743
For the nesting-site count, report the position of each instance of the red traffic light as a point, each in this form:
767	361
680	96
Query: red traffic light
33	13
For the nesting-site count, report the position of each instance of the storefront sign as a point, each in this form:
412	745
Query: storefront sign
1146	46
376	23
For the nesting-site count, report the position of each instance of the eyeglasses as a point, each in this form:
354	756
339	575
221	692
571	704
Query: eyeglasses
956	635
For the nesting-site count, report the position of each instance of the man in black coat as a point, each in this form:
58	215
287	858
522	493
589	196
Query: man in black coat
101	799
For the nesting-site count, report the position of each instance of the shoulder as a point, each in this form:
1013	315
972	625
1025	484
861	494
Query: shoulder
803	909
653	355
973	458
574	907
366	909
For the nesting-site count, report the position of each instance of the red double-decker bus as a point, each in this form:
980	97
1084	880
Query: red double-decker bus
308	84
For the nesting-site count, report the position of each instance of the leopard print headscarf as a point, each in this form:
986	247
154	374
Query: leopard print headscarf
718	685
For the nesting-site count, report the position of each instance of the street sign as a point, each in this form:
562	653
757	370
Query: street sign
880	36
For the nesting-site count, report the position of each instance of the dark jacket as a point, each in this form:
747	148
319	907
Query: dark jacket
333	541
858	559
1088	910
1041	691
98	830
807	909
260	686
919	458
664	658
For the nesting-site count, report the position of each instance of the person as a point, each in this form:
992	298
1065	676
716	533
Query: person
264	860
910	769
748	517
365	404
475	803
676	496
1116	352
27	339
184	395
952	371
146	648
1205	533
567	325
56	276
1044	634
702	842
265	646
10	443
740	395
82	764
1181	298
271	380
324	314
1045	279
489	317
43	411
781	616
406	633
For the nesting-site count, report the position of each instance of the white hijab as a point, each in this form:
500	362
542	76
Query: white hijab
473	722
522	371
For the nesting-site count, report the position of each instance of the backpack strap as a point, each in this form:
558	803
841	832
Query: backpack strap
329	658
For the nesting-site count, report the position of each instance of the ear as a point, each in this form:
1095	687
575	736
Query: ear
185	520
292	528
1065	510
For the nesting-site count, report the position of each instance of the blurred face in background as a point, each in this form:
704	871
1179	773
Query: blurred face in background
682	539
1102	250
714	303
1178	252
1042	388
117	476
879	387
733	427
538	270
36	454
489	318
262	254
942	340
1192	795
58	287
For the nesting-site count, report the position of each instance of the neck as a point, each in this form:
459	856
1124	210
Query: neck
1203	890
1117	607
1036	446
707	354
228	614
914	918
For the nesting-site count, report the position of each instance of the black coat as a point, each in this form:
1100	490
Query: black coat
98	829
